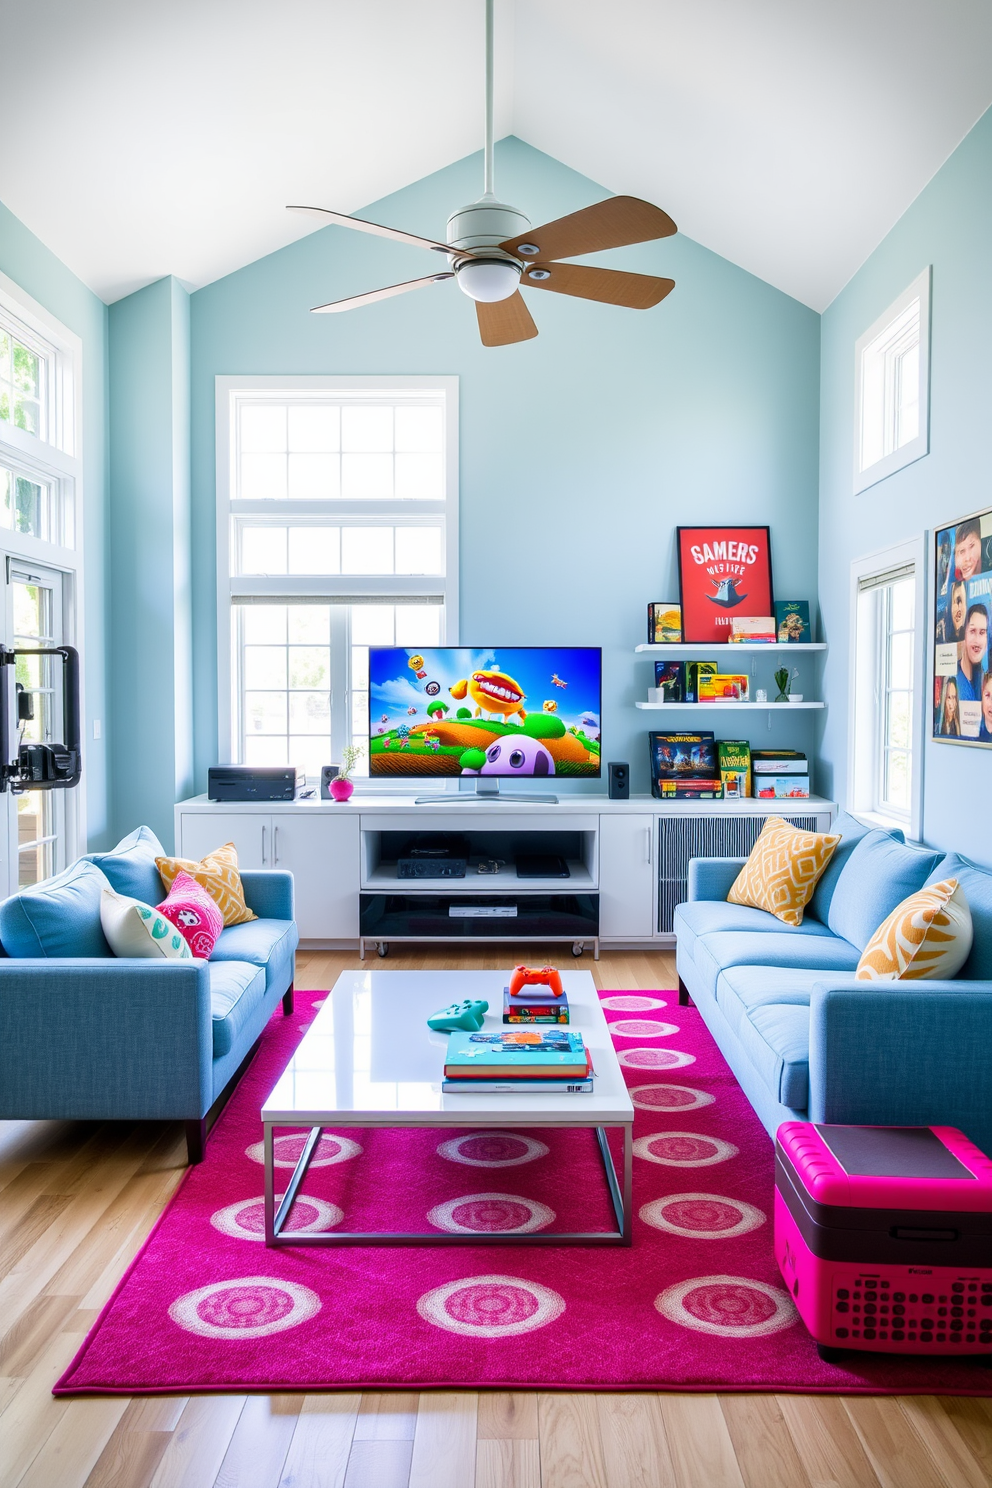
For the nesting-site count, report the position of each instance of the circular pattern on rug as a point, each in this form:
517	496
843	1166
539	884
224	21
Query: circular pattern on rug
484	1212
728	1306
629	1003
492	1149
287	1150
642	1028
684	1149
702	1216
319	1002
490	1306
245	1220
247	1307
669	1097
655	1059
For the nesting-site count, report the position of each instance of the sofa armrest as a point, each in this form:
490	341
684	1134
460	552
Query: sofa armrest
712	878
902	1054
105	1039
269	892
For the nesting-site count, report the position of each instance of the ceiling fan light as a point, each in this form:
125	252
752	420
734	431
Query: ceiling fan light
488	279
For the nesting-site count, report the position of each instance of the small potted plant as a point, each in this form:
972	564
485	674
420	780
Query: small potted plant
342	785
782	681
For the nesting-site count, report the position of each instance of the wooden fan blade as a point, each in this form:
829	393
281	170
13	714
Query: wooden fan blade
504	322
611	286
607	224
341	219
373	295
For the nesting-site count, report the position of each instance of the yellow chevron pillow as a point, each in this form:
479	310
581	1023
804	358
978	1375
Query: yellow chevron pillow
218	874
783	870
927	935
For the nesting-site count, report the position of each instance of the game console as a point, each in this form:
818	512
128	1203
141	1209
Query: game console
529	976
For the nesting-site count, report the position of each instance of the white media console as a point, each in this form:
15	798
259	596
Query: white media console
627	864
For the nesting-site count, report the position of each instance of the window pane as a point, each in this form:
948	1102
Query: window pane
309	666
309	753
265	750
418	625
264	624
902	604
366	477
4	356
372	625
309	625
360	667
314	477
263	426
314	428
265	712
897	783
900	713
263	550
418	550
314	550
901	660
25	505
263	477
310	713
366	550
366	428
419	429
419	477
265	666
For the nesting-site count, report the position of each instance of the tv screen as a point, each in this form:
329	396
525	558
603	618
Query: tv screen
511	712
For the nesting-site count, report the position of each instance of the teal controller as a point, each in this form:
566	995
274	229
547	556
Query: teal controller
465	1016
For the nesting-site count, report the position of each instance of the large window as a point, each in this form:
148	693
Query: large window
337	530
892	384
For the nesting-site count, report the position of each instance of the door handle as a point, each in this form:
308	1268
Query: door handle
275	847
648	844
263	846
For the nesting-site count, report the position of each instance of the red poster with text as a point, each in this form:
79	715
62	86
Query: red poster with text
723	571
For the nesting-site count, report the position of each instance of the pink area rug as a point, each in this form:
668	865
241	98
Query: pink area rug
696	1304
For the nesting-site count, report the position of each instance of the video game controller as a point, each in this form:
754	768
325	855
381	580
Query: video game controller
465	1016
529	976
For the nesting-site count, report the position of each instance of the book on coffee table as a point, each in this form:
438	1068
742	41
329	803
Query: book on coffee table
520	1054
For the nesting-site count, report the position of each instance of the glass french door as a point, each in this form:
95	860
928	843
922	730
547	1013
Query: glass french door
35	820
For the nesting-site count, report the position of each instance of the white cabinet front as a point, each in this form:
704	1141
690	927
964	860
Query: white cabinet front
627	873
321	852
251	835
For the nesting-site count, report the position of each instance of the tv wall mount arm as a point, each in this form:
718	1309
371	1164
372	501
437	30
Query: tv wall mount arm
25	767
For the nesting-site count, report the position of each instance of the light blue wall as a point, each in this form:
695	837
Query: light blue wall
151	740
580	451
26	260
949	226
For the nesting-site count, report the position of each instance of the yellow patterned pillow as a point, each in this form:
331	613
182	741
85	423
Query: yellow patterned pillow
927	935
783	870
218	874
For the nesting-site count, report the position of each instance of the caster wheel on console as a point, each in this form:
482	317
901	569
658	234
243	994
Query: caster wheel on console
383	949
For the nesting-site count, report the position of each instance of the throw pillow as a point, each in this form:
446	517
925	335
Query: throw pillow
927	935
194	914
135	929
218	874
783	869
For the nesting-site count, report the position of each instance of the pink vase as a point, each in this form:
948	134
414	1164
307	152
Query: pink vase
341	789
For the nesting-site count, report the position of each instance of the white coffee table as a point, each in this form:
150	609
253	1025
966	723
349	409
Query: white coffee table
369	1059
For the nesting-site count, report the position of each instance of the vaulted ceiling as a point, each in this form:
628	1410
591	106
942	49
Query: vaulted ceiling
142	138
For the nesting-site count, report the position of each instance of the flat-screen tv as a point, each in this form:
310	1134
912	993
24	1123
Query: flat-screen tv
511	712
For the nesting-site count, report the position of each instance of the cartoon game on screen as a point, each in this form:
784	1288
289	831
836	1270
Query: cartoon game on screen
460	711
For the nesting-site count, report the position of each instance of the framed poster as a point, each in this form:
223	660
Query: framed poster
962	624
723	571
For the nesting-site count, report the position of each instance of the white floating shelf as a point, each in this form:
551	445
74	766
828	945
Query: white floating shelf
729	707
729	648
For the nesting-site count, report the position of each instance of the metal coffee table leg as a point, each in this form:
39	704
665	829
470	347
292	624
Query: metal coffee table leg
274	1221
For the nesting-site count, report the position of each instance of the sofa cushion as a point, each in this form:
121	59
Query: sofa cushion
715	953
851	832
976	883
926	938
879	874
136	930
775	1038
782	870
195	915
268	943
741	988
236	989
217	872
712	916
130	866
60	917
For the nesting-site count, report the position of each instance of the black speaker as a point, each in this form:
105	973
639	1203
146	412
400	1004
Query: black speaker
619	780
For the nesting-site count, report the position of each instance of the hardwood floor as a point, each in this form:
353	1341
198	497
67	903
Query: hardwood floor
76	1202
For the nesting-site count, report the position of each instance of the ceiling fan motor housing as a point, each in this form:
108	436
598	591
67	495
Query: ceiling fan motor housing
480	226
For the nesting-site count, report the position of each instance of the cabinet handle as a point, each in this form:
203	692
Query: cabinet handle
275	847
263	847
648	844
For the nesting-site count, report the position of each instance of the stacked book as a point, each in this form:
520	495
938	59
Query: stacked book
780	774
517	1061
535	1004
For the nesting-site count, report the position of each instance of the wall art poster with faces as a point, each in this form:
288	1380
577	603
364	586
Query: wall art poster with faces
962	662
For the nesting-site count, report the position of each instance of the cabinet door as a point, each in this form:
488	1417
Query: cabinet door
626	875
251	835
321	852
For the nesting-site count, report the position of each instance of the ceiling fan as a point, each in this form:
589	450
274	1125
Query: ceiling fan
493	251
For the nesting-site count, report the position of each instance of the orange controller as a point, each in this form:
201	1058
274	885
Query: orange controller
523	976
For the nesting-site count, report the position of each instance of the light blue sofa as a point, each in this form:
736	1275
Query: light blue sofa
808	1042
87	1036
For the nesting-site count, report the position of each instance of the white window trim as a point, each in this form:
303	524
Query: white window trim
59	460
336	586
862	740
916	448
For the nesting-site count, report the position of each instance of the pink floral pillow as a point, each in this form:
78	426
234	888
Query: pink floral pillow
195	915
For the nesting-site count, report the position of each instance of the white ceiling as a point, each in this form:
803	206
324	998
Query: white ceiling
143	138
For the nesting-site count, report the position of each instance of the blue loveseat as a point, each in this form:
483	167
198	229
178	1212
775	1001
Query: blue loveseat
808	1042
87	1036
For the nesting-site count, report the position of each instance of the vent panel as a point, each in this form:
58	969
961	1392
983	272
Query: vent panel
683	837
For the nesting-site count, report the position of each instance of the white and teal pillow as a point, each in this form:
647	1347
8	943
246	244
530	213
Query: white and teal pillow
135	929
